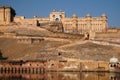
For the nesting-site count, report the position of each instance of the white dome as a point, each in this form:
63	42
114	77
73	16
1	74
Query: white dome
88	15
74	16
104	15
114	60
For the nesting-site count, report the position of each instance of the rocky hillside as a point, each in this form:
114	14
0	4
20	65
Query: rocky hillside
56	46
90	51
37	31
52	49
11	49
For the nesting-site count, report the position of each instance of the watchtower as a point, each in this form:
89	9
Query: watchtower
6	14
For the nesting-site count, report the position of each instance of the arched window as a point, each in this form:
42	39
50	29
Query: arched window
57	19
53	16
111	65
60	16
59	54
52	64
114	65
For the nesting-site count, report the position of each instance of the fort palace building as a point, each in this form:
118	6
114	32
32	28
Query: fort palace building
72	24
6	14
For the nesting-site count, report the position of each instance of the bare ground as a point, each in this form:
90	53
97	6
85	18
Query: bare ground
56	49
57	46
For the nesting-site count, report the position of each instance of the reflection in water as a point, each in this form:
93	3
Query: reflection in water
61	76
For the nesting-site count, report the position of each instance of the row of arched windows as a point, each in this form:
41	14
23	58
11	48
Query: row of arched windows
57	16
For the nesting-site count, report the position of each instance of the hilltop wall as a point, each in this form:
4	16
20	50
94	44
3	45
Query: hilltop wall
110	35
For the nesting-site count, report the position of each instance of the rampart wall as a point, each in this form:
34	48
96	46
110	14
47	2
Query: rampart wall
108	35
112	35
21	20
29	40
63	65
43	20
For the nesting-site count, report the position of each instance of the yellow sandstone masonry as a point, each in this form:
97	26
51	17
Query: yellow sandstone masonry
73	24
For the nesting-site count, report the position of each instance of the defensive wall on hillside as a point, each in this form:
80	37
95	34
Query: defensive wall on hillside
72	24
41	66
92	27
110	35
29	40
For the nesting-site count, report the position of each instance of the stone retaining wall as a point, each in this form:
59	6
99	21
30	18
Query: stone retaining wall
29	40
62	65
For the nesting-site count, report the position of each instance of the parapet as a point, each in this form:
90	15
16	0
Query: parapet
29	40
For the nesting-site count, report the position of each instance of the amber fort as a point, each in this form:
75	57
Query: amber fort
74	24
57	43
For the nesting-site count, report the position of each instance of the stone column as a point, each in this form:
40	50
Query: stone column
2	14
104	23
8	15
88	23
74	25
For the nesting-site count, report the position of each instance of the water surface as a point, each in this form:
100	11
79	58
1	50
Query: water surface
61	76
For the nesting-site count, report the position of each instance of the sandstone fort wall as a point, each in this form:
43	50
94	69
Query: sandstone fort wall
73	24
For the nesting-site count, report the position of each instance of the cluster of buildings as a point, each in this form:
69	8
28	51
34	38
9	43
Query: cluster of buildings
73	24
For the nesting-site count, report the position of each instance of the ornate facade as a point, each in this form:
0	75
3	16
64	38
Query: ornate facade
80	24
73	24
